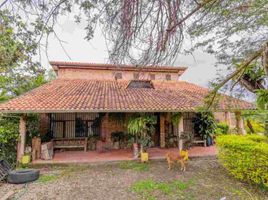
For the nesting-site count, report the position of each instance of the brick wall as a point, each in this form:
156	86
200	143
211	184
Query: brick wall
110	75
108	126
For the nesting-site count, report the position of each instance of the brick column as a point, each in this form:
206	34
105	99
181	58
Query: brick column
162	131
228	120
22	138
105	127
180	129
239	123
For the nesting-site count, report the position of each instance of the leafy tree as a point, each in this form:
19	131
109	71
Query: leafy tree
18	71
18	74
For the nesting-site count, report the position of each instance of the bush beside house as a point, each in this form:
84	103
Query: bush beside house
221	128
8	139
245	157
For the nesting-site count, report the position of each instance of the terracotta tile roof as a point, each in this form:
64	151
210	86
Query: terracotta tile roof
64	95
78	65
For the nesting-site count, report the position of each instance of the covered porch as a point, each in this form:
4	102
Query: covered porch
102	130
69	157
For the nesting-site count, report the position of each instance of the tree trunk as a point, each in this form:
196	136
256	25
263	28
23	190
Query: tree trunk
250	126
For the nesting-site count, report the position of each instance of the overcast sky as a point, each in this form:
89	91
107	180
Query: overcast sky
201	68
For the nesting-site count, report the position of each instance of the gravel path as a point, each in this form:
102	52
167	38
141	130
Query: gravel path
112	181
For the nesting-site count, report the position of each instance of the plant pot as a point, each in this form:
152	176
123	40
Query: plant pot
209	141
116	145
144	157
135	150
26	159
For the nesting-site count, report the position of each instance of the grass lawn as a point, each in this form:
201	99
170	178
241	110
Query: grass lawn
204	179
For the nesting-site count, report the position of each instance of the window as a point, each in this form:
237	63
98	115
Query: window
152	76
118	75
136	76
140	84
168	77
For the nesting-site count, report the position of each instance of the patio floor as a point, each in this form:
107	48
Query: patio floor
120	155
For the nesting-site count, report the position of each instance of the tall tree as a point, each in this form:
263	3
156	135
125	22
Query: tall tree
18	73
18	70
154	32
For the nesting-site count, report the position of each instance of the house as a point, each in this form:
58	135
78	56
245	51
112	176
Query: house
84	97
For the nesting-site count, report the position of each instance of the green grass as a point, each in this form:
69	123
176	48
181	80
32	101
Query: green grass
147	188
63	171
47	178
141	167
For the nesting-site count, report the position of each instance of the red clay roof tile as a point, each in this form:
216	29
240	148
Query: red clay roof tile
79	95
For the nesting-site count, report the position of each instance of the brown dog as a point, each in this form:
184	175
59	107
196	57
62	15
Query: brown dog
173	158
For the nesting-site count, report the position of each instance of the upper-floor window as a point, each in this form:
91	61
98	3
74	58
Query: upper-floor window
168	77
152	76
118	75
136	76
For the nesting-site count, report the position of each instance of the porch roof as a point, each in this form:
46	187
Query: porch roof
66	95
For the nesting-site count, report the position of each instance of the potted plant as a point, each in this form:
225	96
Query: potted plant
141	127
145	142
205	125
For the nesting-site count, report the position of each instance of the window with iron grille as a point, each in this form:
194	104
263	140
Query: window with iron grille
71	125
168	77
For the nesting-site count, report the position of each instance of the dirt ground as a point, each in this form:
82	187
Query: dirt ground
204	179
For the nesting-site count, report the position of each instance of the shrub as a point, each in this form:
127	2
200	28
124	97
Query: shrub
221	128
8	139
204	124
257	127
245	157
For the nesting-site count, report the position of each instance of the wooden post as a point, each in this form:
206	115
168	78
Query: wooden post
36	148
162	131
239	123
180	129
22	138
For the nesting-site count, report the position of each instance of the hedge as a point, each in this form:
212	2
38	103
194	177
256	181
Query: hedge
222	128
245	157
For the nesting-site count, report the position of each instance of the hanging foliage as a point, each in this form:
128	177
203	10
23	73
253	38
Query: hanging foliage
175	118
